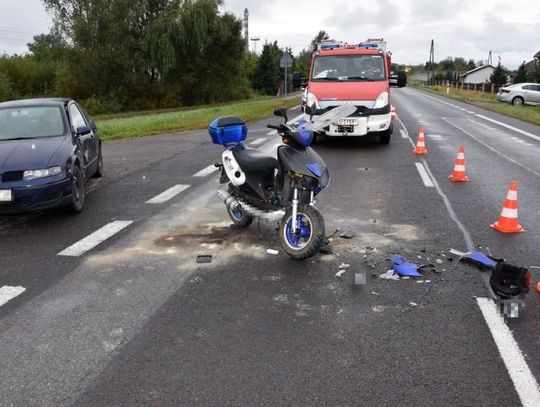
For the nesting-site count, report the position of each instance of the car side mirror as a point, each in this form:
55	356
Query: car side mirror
83	131
282	112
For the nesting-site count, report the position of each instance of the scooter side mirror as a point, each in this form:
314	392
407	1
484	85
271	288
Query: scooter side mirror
310	110
282	112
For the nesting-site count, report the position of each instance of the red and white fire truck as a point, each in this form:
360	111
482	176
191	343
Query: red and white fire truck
356	74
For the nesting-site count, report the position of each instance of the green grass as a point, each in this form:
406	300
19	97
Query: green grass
151	123
487	101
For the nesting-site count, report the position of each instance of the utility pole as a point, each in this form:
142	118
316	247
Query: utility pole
431	74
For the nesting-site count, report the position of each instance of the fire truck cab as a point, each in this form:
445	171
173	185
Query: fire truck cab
355	74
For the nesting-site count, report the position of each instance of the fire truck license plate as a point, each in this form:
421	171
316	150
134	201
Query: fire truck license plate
347	122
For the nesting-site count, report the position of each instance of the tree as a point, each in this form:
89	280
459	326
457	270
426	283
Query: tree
321	36
267	74
521	74
471	65
499	75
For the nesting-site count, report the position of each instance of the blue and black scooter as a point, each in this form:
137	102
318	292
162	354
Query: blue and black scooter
282	189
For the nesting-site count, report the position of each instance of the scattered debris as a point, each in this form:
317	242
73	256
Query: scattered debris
423	281
333	234
457	252
360	278
450	258
413	304
376	293
534	267
347	235
389	275
340	273
404	268
479	259
326	249
390	234
344	266
509	281
373	220
272	251
439	261
204	258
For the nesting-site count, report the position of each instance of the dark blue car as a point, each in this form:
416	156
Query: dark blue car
49	148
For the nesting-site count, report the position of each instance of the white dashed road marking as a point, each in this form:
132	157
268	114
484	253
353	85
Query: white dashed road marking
425	177
92	240
257	142
8	293
403	134
168	194
206	171
524	381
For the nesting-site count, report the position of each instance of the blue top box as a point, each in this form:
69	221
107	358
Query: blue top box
227	130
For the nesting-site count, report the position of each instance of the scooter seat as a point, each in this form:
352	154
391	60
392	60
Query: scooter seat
251	160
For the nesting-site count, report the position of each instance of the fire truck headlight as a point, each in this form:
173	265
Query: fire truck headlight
382	100
312	99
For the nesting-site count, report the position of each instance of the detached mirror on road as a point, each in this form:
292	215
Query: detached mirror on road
83	131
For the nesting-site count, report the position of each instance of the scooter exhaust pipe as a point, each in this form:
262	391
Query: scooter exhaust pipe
231	202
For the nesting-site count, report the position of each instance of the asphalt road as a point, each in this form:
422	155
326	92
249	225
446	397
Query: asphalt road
135	321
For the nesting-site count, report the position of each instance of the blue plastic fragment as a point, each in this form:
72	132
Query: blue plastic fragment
481	259
403	268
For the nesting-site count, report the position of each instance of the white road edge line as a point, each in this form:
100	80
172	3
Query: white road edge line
92	240
525	133
403	134
466	235
424	175
489	119
257	142
524	381
168	194
7	293
206	171
491	148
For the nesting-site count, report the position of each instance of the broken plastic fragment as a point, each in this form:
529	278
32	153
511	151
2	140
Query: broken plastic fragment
457	252
389	275
344	266
272	251
347	235
340	273
404	268
479	259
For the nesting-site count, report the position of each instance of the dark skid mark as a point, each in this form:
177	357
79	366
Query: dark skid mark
200	234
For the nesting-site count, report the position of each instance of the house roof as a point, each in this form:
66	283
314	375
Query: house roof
537	55
477	69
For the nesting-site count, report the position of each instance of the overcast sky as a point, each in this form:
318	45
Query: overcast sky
466	28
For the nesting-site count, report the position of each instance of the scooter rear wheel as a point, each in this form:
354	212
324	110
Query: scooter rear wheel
308	238
239	216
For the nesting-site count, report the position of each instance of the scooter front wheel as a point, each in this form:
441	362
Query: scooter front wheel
307	239
239	216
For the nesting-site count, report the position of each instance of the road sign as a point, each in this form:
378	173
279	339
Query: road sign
286	61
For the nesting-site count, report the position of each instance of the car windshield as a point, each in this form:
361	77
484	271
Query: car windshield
30	122
349	68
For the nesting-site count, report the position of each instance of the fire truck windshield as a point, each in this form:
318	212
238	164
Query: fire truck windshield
341	68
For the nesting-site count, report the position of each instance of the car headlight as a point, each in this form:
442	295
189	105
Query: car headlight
312	99
381	101
47	172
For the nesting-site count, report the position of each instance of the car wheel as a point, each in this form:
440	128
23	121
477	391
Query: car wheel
518	100
99	170
77	193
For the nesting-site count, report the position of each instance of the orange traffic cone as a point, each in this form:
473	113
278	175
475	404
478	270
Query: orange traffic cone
538	287
393	112
421	143
508	221
459	173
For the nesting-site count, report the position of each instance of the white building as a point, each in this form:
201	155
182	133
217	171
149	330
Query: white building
478	75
